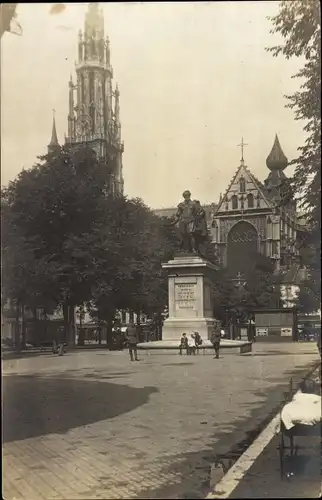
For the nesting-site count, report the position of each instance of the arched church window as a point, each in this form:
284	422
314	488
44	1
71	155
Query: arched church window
93	47
250	200
234	202
215	231
91	79
92	114
258	200
242	185
82	87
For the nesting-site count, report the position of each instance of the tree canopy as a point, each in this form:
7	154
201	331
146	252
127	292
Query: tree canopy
67	241
259	288
299	24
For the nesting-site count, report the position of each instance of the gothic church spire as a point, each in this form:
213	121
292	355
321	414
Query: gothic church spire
53	146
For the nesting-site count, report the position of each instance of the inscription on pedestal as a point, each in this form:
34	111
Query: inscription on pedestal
185	295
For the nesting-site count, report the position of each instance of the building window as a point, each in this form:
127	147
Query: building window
258	200
242	185
250	201
234	202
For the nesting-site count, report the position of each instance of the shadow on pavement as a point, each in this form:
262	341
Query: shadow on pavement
36	351
12	355
178	364
278	353
197	472
302	474
35	406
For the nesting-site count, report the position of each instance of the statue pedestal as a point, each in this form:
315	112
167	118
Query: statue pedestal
190	297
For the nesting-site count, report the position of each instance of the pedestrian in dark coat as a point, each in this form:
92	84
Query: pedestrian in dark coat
133	340
215	339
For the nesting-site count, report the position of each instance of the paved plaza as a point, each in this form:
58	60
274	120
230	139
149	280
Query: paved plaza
91	424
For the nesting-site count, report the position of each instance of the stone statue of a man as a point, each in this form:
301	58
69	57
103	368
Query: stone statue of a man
186	219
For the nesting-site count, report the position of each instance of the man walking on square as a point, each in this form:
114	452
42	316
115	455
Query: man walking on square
215	339
133	340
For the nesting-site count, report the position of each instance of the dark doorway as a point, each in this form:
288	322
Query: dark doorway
242	247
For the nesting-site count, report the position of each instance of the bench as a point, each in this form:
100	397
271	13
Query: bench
244	347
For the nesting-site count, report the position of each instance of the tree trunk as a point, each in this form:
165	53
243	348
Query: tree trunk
17	327
71	339
109	332
104	334
66	322
23	331
81	336
109	327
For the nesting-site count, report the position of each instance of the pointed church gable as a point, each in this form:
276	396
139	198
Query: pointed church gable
244	192
260	188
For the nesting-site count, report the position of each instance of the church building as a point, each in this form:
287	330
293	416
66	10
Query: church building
94	107
250	218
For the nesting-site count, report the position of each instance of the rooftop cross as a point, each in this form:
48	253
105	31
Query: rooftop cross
242	145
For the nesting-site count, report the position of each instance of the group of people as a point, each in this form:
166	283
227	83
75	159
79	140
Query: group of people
192	343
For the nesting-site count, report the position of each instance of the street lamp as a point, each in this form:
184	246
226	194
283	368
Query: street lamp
240	284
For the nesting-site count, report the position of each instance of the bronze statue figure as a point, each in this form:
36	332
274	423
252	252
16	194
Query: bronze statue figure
192	225
200	229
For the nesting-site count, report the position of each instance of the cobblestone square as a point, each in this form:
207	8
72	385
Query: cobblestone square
91	424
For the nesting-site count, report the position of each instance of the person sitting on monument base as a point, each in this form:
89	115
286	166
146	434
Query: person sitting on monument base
198	341
183	344
191	345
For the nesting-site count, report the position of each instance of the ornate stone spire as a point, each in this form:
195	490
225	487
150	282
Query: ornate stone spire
53	146
276	160
94	21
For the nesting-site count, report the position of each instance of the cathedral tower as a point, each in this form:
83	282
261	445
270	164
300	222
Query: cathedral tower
94	107
276	162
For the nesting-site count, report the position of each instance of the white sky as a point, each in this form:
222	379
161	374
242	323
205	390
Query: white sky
194	78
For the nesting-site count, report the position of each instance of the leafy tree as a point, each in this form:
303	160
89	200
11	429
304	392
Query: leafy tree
138	283
77	244
258	288
306	300
299	23
23	277
53	206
